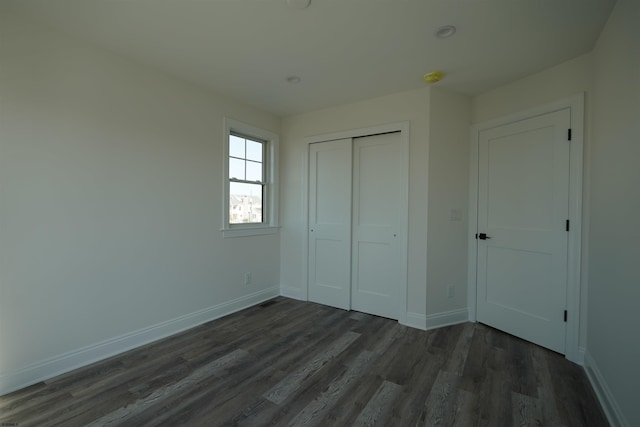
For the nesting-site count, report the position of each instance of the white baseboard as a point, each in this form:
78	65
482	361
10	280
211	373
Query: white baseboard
581	353
416	320
433	321
293	293
55	366
607	401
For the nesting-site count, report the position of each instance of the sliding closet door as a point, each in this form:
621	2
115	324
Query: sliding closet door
330	223
378	207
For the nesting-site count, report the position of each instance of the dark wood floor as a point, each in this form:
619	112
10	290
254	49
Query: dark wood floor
293	363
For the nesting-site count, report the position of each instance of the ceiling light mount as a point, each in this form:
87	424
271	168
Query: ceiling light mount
445	31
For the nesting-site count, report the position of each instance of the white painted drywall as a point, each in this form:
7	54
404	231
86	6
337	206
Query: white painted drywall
562	81
449	121
613	342
410	106
110	198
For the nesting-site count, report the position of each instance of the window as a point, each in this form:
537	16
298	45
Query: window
246	179
250	187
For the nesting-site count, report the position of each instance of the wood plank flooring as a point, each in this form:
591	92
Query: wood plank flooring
293	363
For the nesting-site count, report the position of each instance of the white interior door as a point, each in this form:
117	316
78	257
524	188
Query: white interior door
330	223
523	200
377	232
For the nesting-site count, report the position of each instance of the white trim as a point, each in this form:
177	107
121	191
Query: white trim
405	138
438	320
271	224
58	365
472	257
415	320
447	318
576	106
609	404
574	255
304	250
404	129
581	354
248	231
358	133
293	293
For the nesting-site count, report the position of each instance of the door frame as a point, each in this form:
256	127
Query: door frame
403	128
575	321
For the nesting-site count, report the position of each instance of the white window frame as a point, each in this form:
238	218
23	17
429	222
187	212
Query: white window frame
270	197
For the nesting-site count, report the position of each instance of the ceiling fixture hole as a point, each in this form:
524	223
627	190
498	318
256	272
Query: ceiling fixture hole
298	4
293	79
445	32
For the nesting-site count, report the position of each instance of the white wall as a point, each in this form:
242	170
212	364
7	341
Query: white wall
410	106
562	81
110	203
448	191
613	342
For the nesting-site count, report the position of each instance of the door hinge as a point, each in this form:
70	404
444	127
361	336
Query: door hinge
568	134
566	226
565	315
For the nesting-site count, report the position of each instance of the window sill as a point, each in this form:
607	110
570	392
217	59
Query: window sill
249	231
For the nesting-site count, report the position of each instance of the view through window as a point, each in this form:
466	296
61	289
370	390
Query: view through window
247	181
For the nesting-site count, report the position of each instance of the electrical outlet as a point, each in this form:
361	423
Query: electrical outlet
247	278
451	291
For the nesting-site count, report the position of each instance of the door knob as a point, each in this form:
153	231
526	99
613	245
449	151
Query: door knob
482	236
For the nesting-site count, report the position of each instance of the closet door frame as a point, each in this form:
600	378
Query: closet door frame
403	128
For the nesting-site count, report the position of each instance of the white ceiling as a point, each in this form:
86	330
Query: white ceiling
343	50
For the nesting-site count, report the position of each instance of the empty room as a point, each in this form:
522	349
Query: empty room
319	212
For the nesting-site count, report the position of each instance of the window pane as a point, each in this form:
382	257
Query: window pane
254	171
236	168
254	150
245	203
236	146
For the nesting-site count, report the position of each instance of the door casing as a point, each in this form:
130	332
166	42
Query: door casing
403	128
575	321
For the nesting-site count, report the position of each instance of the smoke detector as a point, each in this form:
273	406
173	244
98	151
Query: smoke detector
433	77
